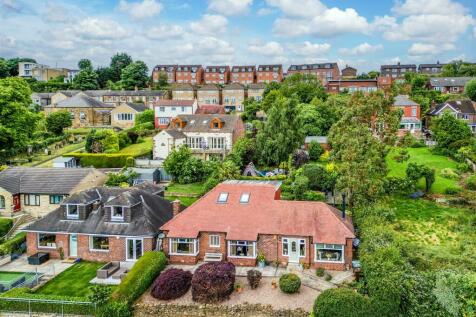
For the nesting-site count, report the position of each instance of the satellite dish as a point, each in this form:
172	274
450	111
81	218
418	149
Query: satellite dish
161	236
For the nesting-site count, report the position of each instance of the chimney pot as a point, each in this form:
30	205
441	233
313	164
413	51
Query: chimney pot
176	207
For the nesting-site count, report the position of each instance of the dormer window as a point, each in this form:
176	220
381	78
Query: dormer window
216	125
222	198
72	212
117	213
244	198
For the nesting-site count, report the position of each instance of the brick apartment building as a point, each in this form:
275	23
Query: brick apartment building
169	70
323	71
349	72
189	74
217	75
398	70
269	73
243	74
431	69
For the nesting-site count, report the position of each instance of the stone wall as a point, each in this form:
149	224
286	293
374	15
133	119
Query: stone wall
209	310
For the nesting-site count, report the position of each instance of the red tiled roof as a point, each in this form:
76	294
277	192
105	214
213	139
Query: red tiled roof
210	109
263	214
174	103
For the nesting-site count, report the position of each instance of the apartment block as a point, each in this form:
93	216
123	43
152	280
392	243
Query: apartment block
189	74
217	75
269	73
243	74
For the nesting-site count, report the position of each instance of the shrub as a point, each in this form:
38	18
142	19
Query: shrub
99	294
289	283
327	277
398	185
342	302
320	271
116	309
449	173
299	158
300	187
171	284
463	167
402	156
452	190
315	151
471	182
254	277
319	177
105	160
213	282
102	141
13	244
5	225
314	196
142	274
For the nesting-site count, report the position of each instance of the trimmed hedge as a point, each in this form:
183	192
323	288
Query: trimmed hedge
102	160
142	274
289	283
115	309
5	225
171	284
13	244
342	302
213	282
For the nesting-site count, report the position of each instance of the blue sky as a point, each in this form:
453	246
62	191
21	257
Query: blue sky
364	34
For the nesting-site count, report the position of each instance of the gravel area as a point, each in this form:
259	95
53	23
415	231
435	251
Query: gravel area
265	294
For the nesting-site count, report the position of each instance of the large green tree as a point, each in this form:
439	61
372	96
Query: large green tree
86	79
17	121
450	133
316	119
459	68
57	121
470	89
118	63
104	75
281	133
4	68
135	75
304	87
84	64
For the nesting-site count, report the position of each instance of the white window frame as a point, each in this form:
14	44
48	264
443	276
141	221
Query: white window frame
116	218
342	248
222	198
212	243
91	245
41	246
241	243
194	242
36	199
72	216
285	241
246	195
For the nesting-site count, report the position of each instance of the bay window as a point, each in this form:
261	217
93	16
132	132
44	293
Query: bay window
241	249
46	240
183	246
329	253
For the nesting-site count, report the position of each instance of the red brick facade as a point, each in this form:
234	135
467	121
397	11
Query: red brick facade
189	74
117	247
351	85
269	73
244	75
217	75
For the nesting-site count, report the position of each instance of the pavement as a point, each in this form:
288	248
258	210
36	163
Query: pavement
51	267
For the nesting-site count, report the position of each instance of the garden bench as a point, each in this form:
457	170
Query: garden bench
213	257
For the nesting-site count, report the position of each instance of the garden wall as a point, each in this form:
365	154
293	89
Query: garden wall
209	310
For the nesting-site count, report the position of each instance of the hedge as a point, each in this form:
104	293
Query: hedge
342	302
102	160
13	244
140	277
44	307
5	225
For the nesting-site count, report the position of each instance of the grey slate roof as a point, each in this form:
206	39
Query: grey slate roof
101	93
257	86
82	100
312	66
449	81
176	134
463	106
234	86
201	122
182	87
404	100
154	211
209	87
35	180
137	106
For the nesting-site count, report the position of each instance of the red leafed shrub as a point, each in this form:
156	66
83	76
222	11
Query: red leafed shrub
171	284
213	282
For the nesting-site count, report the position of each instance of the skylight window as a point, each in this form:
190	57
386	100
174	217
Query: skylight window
245	198
222	198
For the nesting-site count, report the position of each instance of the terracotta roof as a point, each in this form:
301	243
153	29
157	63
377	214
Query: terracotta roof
174	103
263	214
210	109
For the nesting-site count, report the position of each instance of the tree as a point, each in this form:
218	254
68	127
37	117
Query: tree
145	116
4	69
102	141
17	121
104	75
243	152
305	87
118	63
86	79
342	302
135	75
13	64
281	133
316	119
85	64
450	133
458	68
57	121
470	89
416	171
162	81
315	151
183	167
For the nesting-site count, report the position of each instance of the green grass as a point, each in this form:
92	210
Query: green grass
139	148
434	235
192	189
8	277
186	201
72	282
423	156
5	225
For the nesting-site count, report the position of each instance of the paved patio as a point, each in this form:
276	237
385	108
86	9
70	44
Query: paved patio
115	278
49	268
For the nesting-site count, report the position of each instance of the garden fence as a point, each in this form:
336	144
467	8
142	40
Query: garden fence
32	307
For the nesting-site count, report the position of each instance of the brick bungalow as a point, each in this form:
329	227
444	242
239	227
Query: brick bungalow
237	220
103	224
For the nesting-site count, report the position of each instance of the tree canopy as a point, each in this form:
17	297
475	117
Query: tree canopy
118	62
135	75
450	133
470	89
57	121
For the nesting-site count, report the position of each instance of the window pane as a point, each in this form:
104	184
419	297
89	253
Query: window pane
99	243
47	240
285	246
302	248
330	253
117	212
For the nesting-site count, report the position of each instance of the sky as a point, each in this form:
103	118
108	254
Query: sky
359	33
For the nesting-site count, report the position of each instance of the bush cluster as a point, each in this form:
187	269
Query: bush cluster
171	284
142	274
5	225
102	160
342	302
470	182
13	244
289	283
254	277
449	173
213	282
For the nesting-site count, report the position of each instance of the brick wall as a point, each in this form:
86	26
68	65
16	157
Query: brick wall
62	240
335	266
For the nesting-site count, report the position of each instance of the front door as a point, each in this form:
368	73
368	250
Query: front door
293	247
134	249
73	245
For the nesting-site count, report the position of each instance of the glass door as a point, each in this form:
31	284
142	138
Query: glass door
134	249
73	245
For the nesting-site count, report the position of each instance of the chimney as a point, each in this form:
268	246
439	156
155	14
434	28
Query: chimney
343	205
176	207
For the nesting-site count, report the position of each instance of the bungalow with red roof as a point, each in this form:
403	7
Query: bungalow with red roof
237	220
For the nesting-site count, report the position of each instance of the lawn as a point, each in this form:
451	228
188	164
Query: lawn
423	156
186	201
434	235
138	149
191	189
72	282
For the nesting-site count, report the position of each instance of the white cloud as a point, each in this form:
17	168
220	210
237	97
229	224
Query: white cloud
311	17
311	49
164	32
264	12
98	29
418	49
271	48
140	10
419	7
210	24
230	7
361	49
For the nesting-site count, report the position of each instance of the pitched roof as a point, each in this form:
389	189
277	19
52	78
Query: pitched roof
399	66
463	106
312	66
217	69
174	103
243	69
263	214
234	86
81	100
101	93
257	86
69	93
176	134
154	211
182	87
266	68
209	87
37	180
201	122
139	107
210	109
188	68
404	100
449	81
